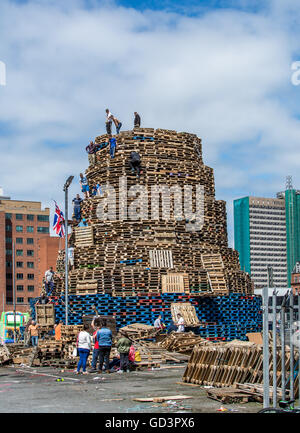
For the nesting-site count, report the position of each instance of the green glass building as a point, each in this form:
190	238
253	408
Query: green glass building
267	232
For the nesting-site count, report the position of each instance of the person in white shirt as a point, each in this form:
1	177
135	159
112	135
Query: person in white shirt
180	323
49	281
84	343
109	120
158	323
71	257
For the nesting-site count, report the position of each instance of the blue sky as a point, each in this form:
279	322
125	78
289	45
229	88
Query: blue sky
220	69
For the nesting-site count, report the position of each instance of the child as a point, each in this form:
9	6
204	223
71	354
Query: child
123	347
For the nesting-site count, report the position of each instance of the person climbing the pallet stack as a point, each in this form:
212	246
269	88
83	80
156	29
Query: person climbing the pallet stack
77	209
135	163
84	185
49	280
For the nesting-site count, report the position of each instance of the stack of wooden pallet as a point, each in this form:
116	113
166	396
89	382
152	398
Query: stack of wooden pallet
140	331
5	355
224	364
182	342
70	332
21	355
164	249
45	315
50	353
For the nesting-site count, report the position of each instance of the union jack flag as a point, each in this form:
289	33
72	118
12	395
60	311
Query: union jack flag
59	221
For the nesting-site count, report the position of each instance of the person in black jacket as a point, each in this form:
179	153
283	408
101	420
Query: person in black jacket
137	120
135	163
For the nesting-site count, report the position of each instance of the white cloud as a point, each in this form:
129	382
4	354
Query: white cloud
224	75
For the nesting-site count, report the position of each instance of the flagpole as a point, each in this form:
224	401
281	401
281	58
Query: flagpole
66	186
66	256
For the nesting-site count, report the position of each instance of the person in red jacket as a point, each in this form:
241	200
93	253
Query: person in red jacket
96	351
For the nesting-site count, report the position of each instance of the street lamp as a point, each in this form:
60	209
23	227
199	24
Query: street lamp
66	186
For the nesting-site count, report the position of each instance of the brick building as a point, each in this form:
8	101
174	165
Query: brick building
22	223
48	248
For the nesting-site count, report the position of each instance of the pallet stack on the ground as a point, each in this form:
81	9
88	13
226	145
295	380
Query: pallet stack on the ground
165	250
182	342
5	355
224	364
140	331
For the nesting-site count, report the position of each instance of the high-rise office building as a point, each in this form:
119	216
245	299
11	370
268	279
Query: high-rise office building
22	223
267	232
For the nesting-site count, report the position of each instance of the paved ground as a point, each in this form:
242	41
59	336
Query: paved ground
35	390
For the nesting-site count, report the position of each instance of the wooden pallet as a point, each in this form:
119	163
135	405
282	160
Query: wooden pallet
187	311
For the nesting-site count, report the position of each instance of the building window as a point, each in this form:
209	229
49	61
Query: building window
8	252
19	216
19	240
30	265
29	229
8	216
43	229
19	229
30	217
19	276
43	218
30	276
29	241
20	300
30	253
20	288
8	240
9	264
29	299
19	264
8	228
19	252
8	276
30	289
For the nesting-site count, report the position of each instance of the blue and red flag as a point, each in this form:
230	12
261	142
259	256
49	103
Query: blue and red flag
59	222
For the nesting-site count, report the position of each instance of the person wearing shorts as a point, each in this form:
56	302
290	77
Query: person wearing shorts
84	186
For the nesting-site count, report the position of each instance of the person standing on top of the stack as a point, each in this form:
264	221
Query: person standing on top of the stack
135	163
109	119
137	120
84	185
118	124
77	210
